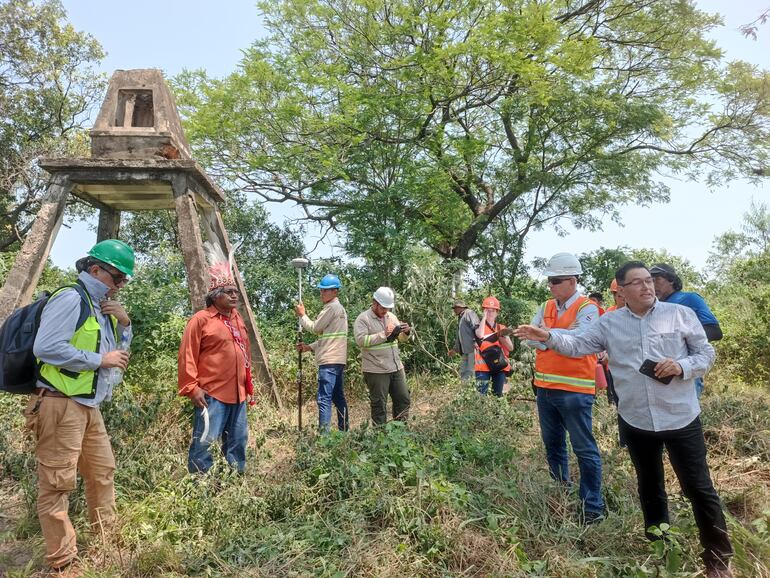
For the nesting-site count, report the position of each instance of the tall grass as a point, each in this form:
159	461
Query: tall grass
462	490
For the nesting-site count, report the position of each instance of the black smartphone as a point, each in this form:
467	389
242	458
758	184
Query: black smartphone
648	369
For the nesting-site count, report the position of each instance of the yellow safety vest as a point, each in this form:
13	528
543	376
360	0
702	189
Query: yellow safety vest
88	338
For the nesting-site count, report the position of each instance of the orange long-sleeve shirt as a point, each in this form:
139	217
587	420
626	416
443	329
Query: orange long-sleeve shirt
210	358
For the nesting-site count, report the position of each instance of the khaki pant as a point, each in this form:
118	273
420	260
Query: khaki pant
70	437
382	384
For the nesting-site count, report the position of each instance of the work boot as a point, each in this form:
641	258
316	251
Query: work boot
71	570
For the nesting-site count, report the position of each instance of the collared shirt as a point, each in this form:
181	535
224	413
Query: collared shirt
57	326
665	331
466	332
585	317
377	354
331	326
211	359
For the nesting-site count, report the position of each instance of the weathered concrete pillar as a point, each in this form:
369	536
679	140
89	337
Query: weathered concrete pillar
216	233
109	224
191	243
23	277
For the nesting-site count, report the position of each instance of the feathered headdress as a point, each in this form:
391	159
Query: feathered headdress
220	267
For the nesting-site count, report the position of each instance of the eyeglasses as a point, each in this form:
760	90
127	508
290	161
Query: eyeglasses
117	278
557	280
231	292
637	283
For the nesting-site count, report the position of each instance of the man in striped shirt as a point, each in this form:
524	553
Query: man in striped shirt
331	353
656	414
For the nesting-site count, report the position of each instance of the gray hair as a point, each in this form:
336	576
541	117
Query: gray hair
213	294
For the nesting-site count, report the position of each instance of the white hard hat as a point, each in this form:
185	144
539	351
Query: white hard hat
385	297
563	264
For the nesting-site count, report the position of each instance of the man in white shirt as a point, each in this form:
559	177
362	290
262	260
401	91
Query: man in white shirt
654	415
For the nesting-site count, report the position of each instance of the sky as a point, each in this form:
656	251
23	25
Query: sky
175	35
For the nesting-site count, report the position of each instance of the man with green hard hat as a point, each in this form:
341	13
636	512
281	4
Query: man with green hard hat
84	333
331	352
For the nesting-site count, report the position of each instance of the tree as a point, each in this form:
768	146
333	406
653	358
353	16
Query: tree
739	288
455	114
689	275
731	247
750	30
264	256
47	87
599	267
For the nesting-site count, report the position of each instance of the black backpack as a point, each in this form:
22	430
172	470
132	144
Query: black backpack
493	355
18	366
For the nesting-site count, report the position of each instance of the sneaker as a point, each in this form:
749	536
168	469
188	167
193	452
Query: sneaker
591	518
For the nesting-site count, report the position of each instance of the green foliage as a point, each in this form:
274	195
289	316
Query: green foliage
752	241
667	548
739	293
741	302
691	279
599	267
51	278
47	87
264	257
459	124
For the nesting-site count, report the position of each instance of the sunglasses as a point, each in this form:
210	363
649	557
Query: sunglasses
557	280
117	278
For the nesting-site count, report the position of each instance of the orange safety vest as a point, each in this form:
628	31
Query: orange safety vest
611	308
481	365
599	307
556	371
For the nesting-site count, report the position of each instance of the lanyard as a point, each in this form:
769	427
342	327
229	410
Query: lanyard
236	334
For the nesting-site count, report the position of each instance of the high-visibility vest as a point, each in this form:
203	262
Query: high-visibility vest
481	365
599	307
88	338
611	308
556	371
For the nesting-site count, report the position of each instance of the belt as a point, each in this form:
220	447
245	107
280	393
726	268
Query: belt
43	391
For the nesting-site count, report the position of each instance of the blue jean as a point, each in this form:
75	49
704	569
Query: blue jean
560	412
227	422
498	382
331	380
699	386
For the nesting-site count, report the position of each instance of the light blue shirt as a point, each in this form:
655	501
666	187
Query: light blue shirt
584	318
57	326
665	331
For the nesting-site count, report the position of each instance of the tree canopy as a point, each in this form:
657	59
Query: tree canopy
47	87
396	121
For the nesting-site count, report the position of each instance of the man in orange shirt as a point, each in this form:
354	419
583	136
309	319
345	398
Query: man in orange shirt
215	373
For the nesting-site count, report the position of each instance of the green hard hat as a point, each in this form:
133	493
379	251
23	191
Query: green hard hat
115	253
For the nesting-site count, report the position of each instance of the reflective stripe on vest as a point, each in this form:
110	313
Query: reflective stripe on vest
556	371
386	345
87	338
336	335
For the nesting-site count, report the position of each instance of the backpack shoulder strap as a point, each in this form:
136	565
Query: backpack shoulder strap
86	306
